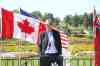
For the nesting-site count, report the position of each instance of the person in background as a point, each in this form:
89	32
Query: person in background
50	47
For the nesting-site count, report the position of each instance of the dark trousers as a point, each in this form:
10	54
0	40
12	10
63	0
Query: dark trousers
48	60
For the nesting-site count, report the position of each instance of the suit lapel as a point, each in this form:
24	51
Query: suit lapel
47	38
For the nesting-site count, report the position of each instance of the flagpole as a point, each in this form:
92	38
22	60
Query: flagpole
94	32
94	26
19	45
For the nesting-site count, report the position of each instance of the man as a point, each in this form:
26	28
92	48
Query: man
50	48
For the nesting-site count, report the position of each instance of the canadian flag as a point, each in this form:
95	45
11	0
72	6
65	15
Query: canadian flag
6	24
25	28
19	26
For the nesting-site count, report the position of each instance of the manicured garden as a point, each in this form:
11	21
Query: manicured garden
76	46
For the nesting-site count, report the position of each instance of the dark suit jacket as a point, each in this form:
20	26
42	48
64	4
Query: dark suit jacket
44	41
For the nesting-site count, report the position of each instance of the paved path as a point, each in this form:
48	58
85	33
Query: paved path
7	54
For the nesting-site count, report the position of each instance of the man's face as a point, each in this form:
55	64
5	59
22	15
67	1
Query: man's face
48	28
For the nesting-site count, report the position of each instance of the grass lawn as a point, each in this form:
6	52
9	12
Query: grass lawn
17	62
35	62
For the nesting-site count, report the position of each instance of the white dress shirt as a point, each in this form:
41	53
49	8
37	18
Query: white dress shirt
50	47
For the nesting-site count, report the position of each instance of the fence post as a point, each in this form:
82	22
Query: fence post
25	63
77	61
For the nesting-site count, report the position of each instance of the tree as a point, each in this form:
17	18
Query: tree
90	21
37	14
85	21
49	16
76	20
45	16
57	20
67	21
16	11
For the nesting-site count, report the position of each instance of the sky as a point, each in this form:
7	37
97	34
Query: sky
59	8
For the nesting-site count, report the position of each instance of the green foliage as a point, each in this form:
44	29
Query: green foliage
90	20
16	11
75	20
37	14
14	45
90	37
77	48
67	19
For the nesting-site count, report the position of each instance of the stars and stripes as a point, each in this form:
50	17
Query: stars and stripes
64	38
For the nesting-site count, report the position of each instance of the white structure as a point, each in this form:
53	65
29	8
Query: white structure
7	54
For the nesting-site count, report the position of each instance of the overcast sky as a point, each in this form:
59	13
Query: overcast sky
59	8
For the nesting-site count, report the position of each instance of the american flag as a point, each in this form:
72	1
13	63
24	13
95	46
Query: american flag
64	39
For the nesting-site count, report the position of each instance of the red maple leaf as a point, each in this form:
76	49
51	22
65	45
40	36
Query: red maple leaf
25	27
